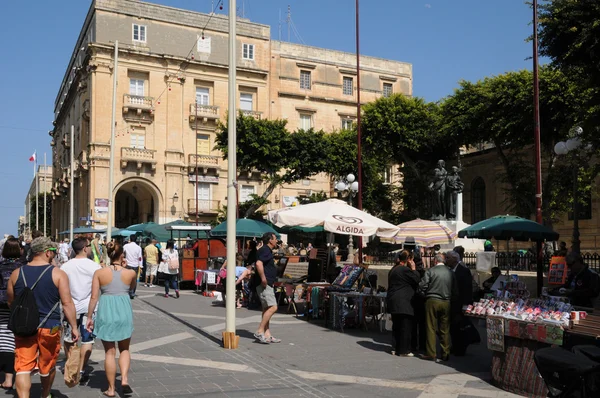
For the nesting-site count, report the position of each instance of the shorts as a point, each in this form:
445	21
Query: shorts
151	269
85	336
41	349
266	296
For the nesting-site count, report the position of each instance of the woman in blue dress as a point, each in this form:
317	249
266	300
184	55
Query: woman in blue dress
114	318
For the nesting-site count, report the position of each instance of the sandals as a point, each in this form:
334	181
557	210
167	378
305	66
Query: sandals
126	388
107	394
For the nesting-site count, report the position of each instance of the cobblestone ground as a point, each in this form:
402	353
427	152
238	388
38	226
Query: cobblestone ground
176	352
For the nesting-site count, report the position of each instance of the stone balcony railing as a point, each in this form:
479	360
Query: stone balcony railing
203	112
204	206
139	156
255	114
203	162
138	108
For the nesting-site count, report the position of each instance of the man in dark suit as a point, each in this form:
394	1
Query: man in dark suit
403	281
464	280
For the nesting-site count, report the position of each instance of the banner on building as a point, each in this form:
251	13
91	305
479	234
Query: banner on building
101	205
209	179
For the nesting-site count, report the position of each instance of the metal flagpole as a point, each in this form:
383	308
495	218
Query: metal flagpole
37	194
359	139
111	163
231	182
72	187
44	188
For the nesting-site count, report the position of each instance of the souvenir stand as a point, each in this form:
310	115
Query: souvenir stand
517	326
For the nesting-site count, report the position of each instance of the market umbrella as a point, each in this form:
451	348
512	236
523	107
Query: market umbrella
160	232
335	216
509	227
246	228
423	233
143	228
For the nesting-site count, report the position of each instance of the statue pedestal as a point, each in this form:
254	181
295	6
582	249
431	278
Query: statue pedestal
470	245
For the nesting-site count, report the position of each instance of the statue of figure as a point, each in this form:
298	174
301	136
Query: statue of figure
438	189
454	186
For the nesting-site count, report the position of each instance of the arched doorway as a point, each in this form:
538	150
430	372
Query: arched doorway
135	202
478	201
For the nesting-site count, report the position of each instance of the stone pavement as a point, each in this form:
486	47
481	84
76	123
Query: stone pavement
176	352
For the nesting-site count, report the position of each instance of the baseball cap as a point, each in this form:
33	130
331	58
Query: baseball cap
41	244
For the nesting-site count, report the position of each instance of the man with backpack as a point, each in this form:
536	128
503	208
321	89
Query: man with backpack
39	288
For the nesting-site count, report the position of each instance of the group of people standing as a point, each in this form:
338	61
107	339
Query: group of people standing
428	303
80	300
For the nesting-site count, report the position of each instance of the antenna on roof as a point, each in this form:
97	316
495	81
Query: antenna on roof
289	20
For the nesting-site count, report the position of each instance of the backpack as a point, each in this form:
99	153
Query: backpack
173	262
24	313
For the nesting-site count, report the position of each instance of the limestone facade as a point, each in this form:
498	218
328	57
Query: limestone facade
172	88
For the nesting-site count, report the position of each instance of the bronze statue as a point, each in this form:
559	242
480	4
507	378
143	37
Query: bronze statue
454	186
438	190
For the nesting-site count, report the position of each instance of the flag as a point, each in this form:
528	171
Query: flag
32	157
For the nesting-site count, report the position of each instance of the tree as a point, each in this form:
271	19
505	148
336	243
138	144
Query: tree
313	198
570	35
499	110
280	156
40	226
403	130
254	201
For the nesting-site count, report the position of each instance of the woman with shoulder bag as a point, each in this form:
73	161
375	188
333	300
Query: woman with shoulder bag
170	267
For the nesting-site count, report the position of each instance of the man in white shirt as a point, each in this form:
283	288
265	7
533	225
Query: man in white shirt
63	251
80	271
134	258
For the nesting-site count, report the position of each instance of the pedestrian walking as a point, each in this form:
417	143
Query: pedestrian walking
114	318
11	253
151	255
170	267
403	282
439	288
267	273
50	287
464	283
134	258
80	271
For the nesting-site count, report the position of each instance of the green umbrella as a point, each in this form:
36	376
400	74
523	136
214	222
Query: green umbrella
509	227
141	227
246	228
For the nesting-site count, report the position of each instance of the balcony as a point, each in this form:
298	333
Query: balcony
137	108
205	113
209	207
255	114
204	163
139	156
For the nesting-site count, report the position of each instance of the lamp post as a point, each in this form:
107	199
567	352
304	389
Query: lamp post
351	187
564	148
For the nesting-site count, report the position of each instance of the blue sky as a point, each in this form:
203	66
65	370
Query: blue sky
445	40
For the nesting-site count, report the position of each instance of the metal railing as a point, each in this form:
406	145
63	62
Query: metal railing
516	261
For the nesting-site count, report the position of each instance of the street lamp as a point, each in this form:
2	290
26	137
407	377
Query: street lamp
350	186
563	148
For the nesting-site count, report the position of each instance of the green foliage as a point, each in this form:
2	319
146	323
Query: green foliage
40	226
313	198
255	202
280	156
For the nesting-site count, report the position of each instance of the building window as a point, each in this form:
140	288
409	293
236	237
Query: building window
387	175
203	189
139	33
347	87
203	144
136	87
347	123
245	193
388	89
246	102
248	51
305	121
305	79
202	97
477	200
585	206
138	140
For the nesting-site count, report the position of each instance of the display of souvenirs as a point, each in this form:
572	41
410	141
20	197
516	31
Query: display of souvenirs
543	310
557	274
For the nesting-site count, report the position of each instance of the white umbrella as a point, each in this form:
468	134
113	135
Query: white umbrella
335	216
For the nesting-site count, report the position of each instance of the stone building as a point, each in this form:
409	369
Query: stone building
172	88
43	179
485	196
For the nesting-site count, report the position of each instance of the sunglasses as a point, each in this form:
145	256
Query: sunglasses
51	249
